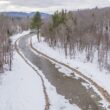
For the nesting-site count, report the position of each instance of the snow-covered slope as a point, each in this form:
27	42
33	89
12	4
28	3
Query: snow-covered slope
21	88
91	70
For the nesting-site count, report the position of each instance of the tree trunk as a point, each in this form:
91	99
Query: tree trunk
38	32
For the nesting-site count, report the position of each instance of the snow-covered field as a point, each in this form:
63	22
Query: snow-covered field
56	101
91	70
67	72
21	88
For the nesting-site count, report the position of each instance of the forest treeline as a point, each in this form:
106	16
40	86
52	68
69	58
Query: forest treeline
9	26
83	31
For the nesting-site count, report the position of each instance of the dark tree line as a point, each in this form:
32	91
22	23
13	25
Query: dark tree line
9	26
5	44
81	31
36	24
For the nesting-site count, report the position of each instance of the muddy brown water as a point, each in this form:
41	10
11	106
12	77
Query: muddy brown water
70	87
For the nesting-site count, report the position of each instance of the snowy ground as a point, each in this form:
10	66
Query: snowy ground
21	88
89	69
56	101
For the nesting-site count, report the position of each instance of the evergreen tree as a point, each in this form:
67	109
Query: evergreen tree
37	23
58	18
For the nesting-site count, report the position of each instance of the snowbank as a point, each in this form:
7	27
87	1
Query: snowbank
21	88
89	69
56	101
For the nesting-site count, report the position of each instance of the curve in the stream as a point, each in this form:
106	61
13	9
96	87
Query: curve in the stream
71	88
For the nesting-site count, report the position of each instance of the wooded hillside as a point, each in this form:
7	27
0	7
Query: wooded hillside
9	26
83	31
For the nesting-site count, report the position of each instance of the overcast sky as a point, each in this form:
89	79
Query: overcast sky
50	5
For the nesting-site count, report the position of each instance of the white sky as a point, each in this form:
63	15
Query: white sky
50	5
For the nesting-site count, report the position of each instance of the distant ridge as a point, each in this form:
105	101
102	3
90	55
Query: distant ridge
24	14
